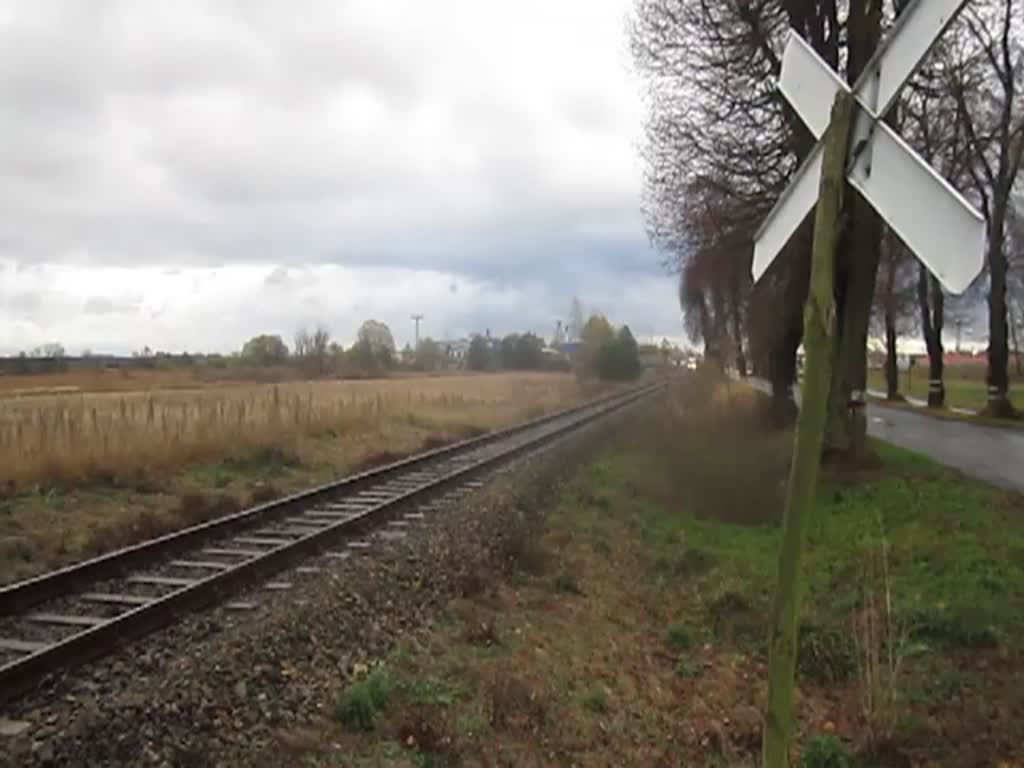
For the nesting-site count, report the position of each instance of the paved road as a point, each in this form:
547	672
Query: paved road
988	453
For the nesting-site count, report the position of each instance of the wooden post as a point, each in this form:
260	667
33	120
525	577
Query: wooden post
819	347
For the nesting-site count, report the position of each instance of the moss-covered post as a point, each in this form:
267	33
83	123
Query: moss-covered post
819	348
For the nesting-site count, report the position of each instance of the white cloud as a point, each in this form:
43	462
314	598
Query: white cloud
487	143
119	309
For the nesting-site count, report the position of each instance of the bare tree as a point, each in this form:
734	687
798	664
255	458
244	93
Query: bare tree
934	122
1015	280
312	348
717	122
990	95
895	303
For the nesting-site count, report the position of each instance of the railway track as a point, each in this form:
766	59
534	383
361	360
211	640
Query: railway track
84	611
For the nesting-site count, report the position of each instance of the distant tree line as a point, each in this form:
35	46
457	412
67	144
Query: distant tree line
602	352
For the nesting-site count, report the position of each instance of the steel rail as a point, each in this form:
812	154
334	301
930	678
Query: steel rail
24	673
18	597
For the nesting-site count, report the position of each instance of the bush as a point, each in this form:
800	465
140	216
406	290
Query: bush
825	752
825	656
566	581
607	354
678	638
969	627
596	702
360	703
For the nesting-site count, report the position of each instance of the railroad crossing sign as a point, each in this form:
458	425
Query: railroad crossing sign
929	215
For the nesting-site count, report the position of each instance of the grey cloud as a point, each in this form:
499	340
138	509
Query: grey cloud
104	305
24	304
404	135
276	276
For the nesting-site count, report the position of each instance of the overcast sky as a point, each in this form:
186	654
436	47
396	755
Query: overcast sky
184	175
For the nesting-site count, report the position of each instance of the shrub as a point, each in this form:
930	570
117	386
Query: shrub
566	582
359	704
825	656
825	752
596	702
678	638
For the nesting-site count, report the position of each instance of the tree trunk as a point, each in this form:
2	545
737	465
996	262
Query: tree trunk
736	300
737	338
857	267
819	335
783	371
932	320
892	371
1015	319
998	377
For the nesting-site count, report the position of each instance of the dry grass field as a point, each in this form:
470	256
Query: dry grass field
67	440
86	473
97	380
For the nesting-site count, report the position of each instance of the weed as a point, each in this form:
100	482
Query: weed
879	645
969	627
825	656
427	730
678	638
825	752
471	723
596	701
952	682
695	562
482	634
513	705
689	668
262	493
199	507
431	691
565	581
360	703
520	547
690	563
732	617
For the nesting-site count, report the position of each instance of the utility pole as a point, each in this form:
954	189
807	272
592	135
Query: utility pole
416	319
960	322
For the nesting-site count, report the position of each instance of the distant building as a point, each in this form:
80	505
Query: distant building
455	350
570	348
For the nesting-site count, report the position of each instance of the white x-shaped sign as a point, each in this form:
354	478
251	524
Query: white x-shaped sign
928	214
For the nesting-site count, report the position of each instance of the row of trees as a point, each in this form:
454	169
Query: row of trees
374	352
722	145
606	353
515	352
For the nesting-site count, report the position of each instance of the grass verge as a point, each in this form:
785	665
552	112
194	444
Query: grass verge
965	387
910	653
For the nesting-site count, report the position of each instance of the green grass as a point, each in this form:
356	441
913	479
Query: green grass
965	385
660	562
955	546
359	705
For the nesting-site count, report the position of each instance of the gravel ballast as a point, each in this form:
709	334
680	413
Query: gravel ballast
218	687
